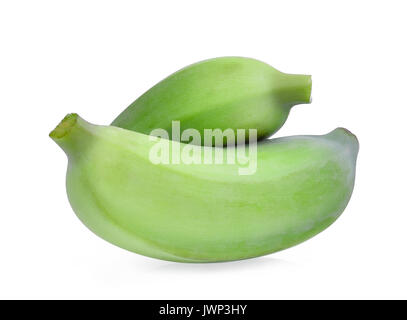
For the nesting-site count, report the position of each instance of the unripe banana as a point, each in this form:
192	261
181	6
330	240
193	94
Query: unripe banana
220	93
205	212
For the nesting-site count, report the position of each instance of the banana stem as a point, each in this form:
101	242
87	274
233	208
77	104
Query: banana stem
294	89
72	134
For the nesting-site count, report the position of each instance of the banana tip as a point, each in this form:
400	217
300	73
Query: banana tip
347	133
345	137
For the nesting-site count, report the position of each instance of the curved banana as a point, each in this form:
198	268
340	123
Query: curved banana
205	212
220	93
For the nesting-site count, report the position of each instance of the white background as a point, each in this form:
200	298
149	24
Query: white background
96	57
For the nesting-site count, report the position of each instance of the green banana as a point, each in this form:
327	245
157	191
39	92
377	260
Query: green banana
204	212
220	93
